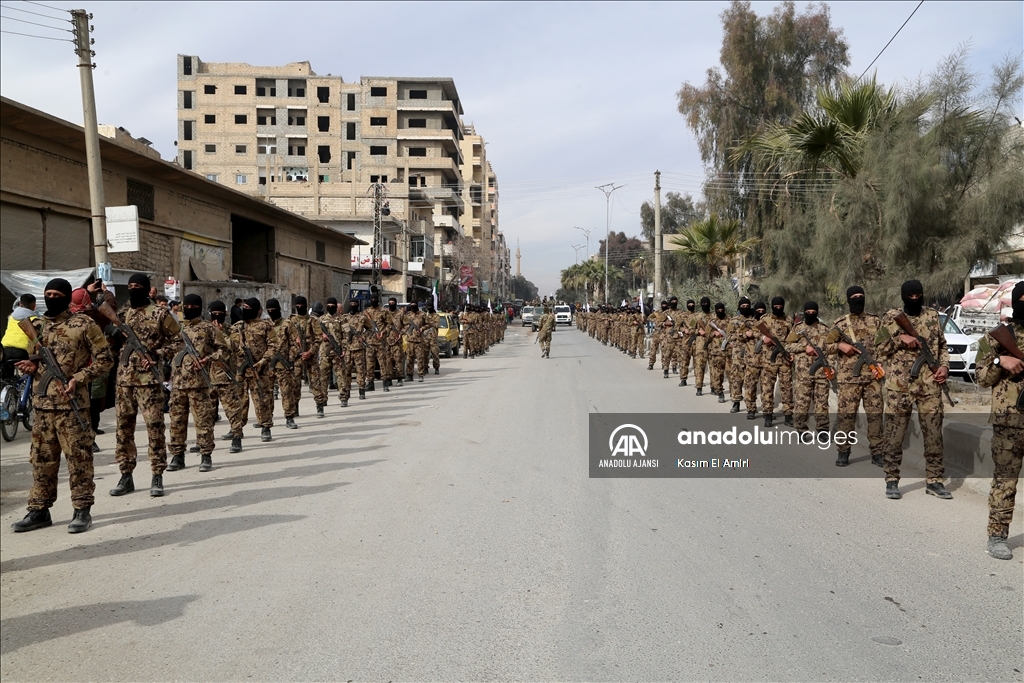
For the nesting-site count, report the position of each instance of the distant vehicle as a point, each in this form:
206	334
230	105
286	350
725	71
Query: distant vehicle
563	315
973	322
528	314
963	350
448	334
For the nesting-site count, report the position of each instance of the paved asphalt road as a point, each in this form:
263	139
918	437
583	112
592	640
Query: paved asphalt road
449	530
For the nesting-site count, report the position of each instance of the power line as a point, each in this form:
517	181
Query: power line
24	21
29	35
891	39
31	2
45	16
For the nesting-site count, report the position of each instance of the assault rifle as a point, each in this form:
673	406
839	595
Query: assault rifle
863	357
329	336
820	362
52	371
925	356
248	362
135	345
190	349
719	330
1004	335
763	328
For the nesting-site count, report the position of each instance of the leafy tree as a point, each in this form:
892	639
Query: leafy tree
623	249
677	211
524	289
712	243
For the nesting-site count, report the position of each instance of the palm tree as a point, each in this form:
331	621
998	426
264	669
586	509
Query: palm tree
711	243
639	267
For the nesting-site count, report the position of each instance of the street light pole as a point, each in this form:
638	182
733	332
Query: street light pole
607	227
577	247
587	233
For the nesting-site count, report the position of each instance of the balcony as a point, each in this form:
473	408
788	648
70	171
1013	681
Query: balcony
432	164
445	106
448	196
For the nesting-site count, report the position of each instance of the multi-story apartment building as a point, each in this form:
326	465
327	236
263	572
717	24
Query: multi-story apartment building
317	145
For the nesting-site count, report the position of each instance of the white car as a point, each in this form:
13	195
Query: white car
563	315
963	349
528	314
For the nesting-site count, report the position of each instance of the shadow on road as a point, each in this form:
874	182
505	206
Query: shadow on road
57	623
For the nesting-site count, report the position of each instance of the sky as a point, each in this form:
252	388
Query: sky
568	96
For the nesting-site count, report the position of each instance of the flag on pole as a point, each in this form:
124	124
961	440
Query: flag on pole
489	309
435	296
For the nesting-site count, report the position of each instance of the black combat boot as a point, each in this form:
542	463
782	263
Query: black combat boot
789	421
892	490
420	379
205	463
344	403
650	367
751	414
125	485
939	491
387	384
289	423
265	434
998	549
156	487
409	377
735	407
844	459
35	519
700	391
721	397
362	393
370	386
769	419
216	417
194	449
319	411
236	446
876	460
437	371
400	382
82	521
227	437
665	374
177	463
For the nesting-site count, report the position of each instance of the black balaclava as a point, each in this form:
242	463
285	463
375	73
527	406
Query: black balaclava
392	304
664	305
705	304
759	310
414	308
374	302
744	307
909	289
353	307
192	306
856	304
318	309
332	305
691	305
1018	305
673	303
274	309
720	310
778	307
301	305
811	318
430	308
138	298
218	312
253	310
55	305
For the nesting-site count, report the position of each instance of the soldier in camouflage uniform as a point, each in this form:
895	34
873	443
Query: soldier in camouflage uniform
781	368
658	318
718	360
375	347
333	331
140	384
417	329
190	389
860	328
81	351
1000	368
226	385
700	346
753	379
308	330
809	390
900	351
545	327
672	323
256	346
686	341
435	351
739	324
287	343
394	326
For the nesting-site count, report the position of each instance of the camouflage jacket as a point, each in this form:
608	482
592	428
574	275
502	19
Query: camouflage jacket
81	350
210	344
781	328
797	345
396	324
378	318
546	325
1006	389
899	360
713	340
418	328
219	369
259	338
333	325
307	328
287	342
158	331
433	321
735	326
861	328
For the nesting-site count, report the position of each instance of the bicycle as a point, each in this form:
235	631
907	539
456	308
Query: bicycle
15	405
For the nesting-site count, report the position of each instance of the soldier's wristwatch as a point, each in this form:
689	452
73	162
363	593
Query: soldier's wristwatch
995	361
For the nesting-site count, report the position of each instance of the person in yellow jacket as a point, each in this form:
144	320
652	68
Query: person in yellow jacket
16	341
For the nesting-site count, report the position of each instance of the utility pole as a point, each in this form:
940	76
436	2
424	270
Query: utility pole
587	233
577	247
405	263
97	203
607	227
380	209
657	235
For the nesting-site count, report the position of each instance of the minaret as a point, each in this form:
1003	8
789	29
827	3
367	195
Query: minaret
519	256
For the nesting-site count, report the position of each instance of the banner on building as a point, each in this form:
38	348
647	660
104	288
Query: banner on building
466	279
122	228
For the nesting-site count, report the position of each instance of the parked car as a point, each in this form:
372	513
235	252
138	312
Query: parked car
563	315
528	314
448	334
963	349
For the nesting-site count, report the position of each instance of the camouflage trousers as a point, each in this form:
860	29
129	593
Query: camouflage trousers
737	372
291	390
751	381
149	400
200	403
545	342
656	340
342	372
317	379
669	351
435	351
1007	453
357	358
716	368
700	363
810	395
230	396
261	391
850	397
784	373
417	359
396	361
375	356
54	431
684	355
898	406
